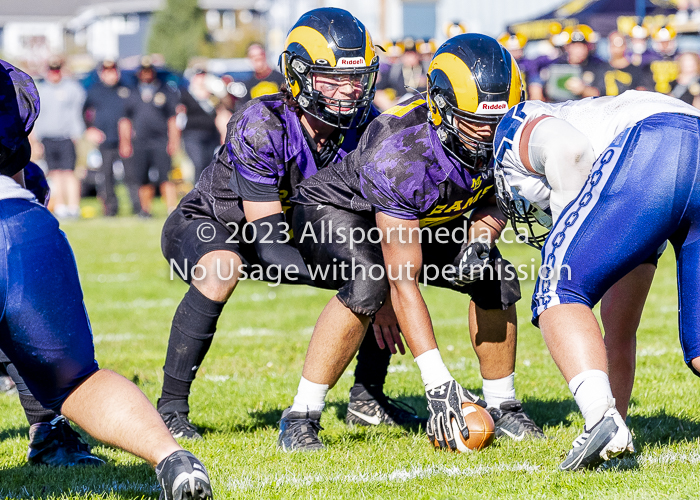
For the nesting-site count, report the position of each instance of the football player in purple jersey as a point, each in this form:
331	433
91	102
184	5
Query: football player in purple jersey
272	143
422	164
44	328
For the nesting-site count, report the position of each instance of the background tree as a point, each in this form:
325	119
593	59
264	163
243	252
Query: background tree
179	32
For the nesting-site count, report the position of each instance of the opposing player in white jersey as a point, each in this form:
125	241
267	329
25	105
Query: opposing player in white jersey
644	149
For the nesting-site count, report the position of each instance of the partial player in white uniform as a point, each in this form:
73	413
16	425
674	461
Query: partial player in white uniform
608	222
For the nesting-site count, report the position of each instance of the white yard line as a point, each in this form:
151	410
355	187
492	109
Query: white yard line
404	475
399	475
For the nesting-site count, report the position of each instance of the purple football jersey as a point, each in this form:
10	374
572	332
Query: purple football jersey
400	168
266	146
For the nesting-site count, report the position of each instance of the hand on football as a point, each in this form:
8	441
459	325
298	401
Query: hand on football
472	266
386	329
446	418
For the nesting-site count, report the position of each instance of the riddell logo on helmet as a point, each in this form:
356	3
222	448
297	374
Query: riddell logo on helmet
350	61
492	108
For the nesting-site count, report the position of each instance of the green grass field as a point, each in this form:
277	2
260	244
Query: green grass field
253	368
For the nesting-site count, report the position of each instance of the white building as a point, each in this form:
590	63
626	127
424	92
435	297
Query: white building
30	30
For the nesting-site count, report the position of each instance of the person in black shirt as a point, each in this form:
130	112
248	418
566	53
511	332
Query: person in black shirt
104	107
571	75
200	135
686	86
397	81
148	137
265	80
619	74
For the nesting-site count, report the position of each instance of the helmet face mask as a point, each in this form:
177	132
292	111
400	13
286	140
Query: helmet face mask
519	211
472	82
462	134
331	73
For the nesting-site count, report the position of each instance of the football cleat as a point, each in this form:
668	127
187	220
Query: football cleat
56	444
511	421
299	431
180	426
374	409
182	476
607	439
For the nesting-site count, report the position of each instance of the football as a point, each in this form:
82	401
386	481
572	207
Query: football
480	425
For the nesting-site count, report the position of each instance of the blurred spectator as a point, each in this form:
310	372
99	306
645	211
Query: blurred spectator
148	137
529	68
199	102
265	79
665	68
688	10
401	78
58	127
641	54
687	85
103	109
455	28
571	75
426	50
619	74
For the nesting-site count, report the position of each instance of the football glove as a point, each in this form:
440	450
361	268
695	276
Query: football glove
471	266
446	418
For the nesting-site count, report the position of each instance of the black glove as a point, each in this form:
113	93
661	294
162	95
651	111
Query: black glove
472	266
445	406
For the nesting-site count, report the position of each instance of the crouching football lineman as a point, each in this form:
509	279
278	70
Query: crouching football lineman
44	328
545	153
273	143
52	441
420	164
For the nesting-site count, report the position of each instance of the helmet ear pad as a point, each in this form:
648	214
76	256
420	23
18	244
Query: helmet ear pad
12	161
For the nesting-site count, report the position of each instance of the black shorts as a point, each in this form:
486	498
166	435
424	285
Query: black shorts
186	240
150	164
59	154
356	270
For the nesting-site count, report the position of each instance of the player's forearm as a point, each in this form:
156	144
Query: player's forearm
487	224
403	261
413	317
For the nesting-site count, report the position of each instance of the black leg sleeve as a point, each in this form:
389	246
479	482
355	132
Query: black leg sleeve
32	408
191	334
372	366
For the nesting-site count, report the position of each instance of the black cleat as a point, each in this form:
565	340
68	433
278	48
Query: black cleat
299	431
56	444
368	409
607	439
511	421
182	476
180	426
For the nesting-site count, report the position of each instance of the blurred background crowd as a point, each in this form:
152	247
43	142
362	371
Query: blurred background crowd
123	126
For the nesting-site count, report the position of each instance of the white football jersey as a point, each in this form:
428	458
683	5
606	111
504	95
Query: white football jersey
10	189
600	119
